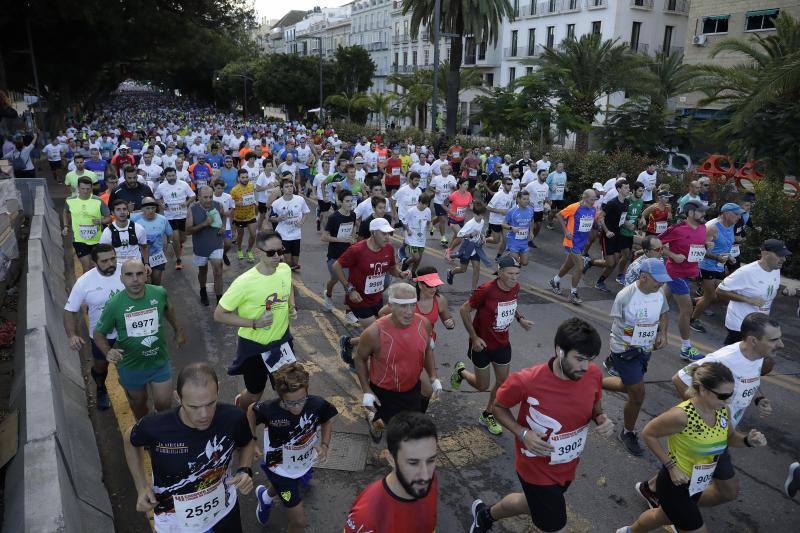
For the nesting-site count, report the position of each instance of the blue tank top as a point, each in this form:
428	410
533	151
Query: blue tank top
722	245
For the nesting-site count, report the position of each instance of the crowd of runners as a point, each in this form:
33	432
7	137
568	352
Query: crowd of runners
148	174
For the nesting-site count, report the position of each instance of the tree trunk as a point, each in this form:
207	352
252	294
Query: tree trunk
582	141
453	81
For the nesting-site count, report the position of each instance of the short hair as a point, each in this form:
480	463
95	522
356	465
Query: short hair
523	192
647	242
348	166
412	175
637	185
406	426
199	374
117	202
425	198
477	209
242	171
167	170
264	236
290	378
129	168
250	155
462	180
101	248
620	182
284	181
754	325
398	286
218	181
377	200
344	193
85	180
512	167
78	156
541	170
286	173
577	334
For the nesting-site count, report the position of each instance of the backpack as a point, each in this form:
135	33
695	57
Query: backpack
17	163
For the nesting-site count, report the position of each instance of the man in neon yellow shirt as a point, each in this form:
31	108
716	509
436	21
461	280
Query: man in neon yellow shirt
260	302
84	215
71	179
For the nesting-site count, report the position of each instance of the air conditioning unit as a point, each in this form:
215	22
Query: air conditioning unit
699	40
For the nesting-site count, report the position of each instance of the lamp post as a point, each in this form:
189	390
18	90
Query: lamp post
245	79
437	8
319	45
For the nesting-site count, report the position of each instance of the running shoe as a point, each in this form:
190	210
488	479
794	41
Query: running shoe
404	263
488	420
608	364
443	241
346	351
587	263
204	297
574	298
226	260
375	433
455	377
650	498
450	276
351	318
601	286
240	255
103	401
626	529
480	521
318	225
696	325
178	264
327	303
792	484
250	257
401	253
691	354
549	226
448	254
631	442
620	279
555	286
263	510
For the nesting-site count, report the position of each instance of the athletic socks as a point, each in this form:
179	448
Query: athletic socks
573	290
557	278
686	344
601	279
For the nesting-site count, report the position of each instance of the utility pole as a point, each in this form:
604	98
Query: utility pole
437	8
321	114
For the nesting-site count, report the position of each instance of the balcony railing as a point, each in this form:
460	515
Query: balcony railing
596	4
642	4
677	6
512	52
403	69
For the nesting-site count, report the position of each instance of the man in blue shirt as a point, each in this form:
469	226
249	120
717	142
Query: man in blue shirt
557	181
228	173
156	226
518	222
215	159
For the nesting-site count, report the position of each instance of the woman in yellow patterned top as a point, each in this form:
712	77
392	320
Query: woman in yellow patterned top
697	432
244	213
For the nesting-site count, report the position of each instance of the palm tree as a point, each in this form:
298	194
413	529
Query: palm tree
381	104
670	75
348	101
480	19
582	70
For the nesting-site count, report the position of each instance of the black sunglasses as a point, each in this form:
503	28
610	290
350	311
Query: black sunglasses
721	397
271	253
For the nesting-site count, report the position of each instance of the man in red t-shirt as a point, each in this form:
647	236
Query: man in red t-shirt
121	160
405	500
556	400
368	262
394	169
496	305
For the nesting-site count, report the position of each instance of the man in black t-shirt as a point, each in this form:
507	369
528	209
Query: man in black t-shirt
378	211
131	190
340	232
297	435
612	216
191	449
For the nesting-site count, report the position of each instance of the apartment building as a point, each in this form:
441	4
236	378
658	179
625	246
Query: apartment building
328	27
370	29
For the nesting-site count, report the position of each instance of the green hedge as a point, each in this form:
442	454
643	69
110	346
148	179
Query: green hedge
775	216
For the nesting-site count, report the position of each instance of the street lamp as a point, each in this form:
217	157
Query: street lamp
245	79
319	43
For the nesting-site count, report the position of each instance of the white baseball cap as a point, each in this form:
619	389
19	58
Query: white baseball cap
381	224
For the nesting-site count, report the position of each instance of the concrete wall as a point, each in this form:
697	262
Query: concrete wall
55	482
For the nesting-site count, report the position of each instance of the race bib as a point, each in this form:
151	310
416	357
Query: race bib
585	224
644	334
505	315
396	171
275	359
701	477
661	227
473	172
200	183
142	323
199	510
248	199
559	190
735	250
174	209
521	233
568	446
345	231
456	155
87	231
622	219
461	211
158	258
696	253
749	387
299	458
374	284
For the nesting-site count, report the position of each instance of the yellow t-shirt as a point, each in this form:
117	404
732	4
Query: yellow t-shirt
405	162
249	295
244	198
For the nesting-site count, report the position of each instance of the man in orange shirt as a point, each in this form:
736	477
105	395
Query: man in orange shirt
201	172
455	154
576	221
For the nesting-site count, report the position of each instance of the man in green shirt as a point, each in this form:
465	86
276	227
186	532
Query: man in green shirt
71	180
140	352
84	215
627	230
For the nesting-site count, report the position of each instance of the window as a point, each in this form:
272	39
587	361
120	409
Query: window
716	24
482	50
636	30
551	8
667	44
516	8
531	41
551	36
414	58
512	74
427	56
760	20
405	28
405	58
528	71
490	79
596	27
571	31
514	43
573	5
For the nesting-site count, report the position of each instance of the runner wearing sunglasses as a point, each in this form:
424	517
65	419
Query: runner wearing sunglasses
260	302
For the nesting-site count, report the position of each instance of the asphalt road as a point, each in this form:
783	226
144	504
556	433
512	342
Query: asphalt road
474	463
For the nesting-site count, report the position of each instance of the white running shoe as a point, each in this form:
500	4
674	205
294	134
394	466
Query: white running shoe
327	303
351	318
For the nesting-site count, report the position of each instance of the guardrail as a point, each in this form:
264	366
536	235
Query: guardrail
55	482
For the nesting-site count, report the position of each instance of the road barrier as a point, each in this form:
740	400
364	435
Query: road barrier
55	482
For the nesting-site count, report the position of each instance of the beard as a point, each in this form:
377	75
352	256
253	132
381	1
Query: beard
409	486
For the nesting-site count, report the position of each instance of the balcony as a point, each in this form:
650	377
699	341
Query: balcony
512	52
596	4
642	4
680	7
404	69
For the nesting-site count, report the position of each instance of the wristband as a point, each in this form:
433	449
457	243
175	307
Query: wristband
246	469
522	434
756	400
669	464
747	441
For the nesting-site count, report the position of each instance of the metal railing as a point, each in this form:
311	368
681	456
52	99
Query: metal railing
642	4
596	4
677	6
511	51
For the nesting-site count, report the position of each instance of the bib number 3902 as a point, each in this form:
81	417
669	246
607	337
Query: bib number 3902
199	510
701	477
568	446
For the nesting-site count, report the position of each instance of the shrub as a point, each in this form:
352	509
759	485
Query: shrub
775	216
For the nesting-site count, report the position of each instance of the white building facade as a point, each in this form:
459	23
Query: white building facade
370	28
